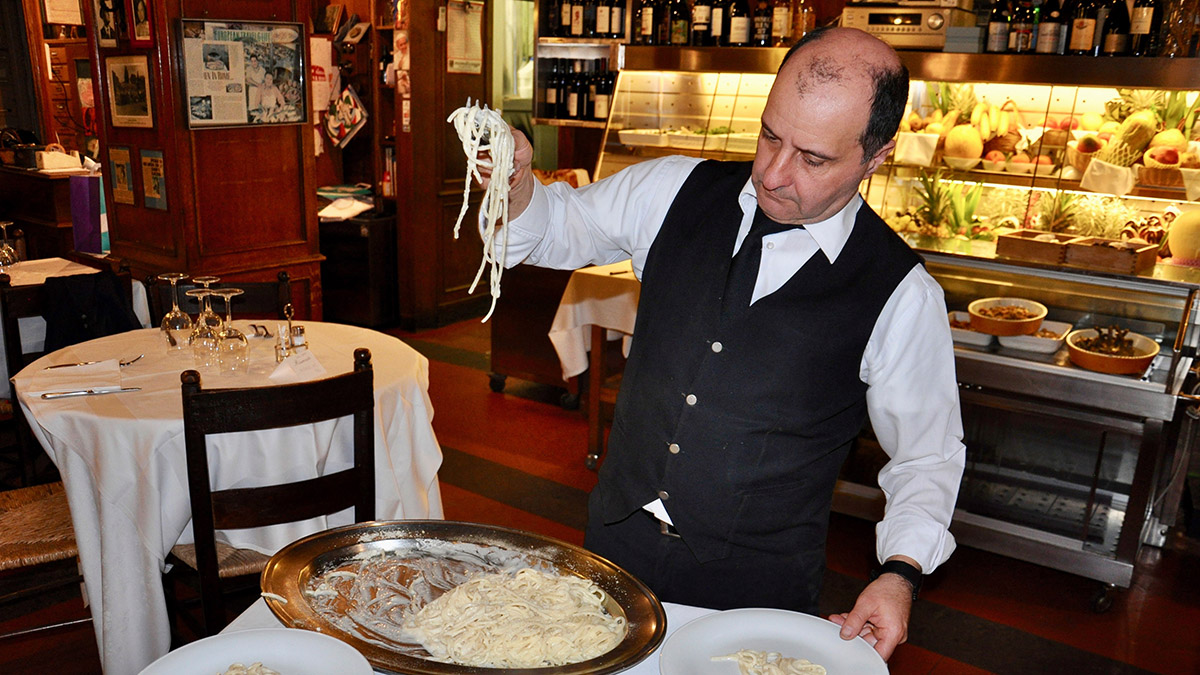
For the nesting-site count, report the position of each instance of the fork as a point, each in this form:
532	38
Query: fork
88	363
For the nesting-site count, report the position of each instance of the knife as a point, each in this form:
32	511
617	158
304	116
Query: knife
87	392
70	365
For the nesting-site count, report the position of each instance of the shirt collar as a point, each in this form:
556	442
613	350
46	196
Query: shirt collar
830	234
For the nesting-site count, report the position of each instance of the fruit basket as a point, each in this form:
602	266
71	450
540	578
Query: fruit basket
1158	176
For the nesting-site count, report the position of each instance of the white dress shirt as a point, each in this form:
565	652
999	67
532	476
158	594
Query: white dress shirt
908	364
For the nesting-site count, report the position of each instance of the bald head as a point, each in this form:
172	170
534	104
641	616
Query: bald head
854	60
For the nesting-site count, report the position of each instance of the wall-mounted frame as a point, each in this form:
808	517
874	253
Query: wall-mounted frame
141	31
129	91
122	175
108	22
241	73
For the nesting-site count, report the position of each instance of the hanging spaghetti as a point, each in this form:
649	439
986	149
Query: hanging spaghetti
484	130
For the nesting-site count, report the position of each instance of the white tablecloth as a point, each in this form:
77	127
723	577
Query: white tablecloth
259	616
123	464
606	296
33	329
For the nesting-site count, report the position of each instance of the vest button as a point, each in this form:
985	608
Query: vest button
691	399
717	347
673	448
662	494
770	245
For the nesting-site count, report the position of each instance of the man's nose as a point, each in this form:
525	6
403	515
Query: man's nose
776	174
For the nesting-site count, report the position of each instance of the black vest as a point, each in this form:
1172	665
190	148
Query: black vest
778	399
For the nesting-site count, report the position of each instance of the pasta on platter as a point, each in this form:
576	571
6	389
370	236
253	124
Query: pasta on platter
529	619
753	662
484	130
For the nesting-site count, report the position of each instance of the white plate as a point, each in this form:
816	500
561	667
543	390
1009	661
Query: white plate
288	651
967	336
689	650
1043	345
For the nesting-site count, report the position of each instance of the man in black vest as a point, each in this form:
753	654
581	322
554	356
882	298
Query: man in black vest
776	311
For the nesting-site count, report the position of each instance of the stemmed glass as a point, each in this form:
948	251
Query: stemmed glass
176	325
8	255
232	346
207	315
204	334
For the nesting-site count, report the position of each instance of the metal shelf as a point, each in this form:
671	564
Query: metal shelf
580	124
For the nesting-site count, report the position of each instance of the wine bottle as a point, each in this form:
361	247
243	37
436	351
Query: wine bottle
550	101
1020	28
718	27
616	19
564	19
590	8
997	27
643	23
1083	28
739	31
781	23
662	17
1049	32
702	11
577	18
603	19
680	23
603	96
1064	31
804	19
762	25
1144	26
1115	41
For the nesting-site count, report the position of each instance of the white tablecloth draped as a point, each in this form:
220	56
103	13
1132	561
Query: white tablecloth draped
606	296
122	460
259	616
33	329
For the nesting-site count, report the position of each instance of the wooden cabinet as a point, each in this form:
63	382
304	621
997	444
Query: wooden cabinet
40	205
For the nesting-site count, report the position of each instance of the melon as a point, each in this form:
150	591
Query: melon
1171	138
964	141
1185	237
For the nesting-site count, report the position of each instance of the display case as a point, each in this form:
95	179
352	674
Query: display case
1067	467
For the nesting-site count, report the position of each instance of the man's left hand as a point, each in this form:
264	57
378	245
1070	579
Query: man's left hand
880	615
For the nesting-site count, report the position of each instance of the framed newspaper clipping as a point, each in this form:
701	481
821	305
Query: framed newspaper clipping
244	73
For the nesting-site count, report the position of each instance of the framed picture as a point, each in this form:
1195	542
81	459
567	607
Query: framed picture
122	174
108	22
140	30
129	91
239	73
154	183
332	18
357	33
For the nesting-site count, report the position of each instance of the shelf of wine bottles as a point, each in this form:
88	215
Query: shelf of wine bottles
698	23
1087	28
574	89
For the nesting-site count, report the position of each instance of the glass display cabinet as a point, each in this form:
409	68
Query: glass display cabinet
1067	467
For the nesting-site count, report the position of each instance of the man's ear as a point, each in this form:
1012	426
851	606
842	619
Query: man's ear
875	161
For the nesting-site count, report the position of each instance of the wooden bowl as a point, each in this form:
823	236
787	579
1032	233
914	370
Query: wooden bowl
1144	350
995	326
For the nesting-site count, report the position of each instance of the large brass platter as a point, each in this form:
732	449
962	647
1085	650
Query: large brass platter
289	573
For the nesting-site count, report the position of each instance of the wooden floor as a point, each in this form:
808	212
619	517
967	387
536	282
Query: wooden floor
516	459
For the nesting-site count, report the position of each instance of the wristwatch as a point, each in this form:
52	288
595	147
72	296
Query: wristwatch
910	574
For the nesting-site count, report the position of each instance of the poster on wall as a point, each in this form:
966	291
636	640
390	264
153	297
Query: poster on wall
122	172
244	73
154	184
464	37
63	12
129	95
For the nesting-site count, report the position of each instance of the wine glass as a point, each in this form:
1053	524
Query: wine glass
204	334
8	255
176	325
207	315
233	349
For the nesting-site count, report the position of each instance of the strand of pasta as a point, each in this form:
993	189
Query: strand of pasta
484	130
753	662
527	620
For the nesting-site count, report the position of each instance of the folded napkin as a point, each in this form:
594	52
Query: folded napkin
1107	178
102	376
300	367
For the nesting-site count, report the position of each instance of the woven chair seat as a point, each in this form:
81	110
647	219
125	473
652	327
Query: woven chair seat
35	527
231	561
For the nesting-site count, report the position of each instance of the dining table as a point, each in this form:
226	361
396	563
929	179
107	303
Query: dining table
33	329
122	459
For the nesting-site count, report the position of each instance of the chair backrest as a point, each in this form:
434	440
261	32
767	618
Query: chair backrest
259	300
22	302
217	411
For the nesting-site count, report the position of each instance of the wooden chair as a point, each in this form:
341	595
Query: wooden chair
217	411
37	545
260	299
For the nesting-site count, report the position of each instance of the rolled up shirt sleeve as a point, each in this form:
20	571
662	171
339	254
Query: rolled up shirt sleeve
912	399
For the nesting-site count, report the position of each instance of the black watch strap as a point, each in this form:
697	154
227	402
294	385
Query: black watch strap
909	572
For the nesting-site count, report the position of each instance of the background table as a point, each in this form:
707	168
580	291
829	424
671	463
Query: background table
33	329
122	461
259	616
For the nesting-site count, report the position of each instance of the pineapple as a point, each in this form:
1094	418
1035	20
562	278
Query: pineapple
945	97
1058	212
935	206
1133	100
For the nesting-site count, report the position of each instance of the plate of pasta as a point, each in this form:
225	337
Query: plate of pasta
282	651
765	642
435	597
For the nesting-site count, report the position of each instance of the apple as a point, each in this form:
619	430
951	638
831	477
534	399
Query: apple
1164	154
1045	159
1088	144
995	156
1068	123
1050	123
1091	121
1021	158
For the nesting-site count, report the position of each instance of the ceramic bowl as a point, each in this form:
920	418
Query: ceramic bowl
1019	167
967	336
997	326
962	163
1037	343
1144	351
989	165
